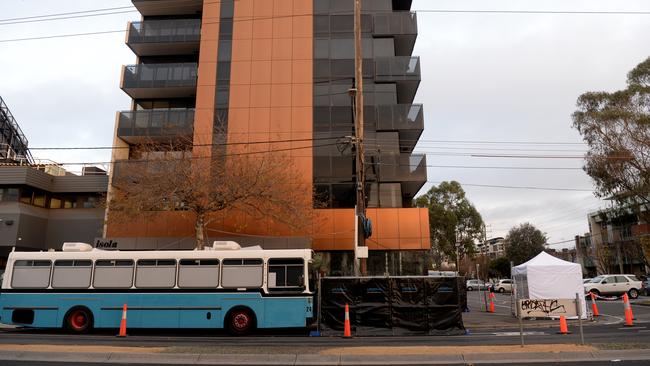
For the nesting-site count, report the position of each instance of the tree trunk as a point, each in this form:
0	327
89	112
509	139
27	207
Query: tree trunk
199	231
620	257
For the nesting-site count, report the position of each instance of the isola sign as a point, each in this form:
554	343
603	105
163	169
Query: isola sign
106	244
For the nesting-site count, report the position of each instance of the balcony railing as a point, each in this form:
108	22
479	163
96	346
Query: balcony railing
165	31
400	117
155	124
397	69
160	75
398	23
399	168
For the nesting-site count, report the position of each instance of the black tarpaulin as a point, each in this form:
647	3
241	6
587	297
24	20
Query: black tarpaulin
392	305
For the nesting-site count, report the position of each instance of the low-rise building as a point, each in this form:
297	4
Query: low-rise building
614	243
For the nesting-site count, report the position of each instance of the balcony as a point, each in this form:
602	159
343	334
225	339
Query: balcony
168	7
404	71
403	26
164	37
408	119
409	170
155	125
176	80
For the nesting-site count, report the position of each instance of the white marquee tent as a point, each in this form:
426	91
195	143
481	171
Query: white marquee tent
548	277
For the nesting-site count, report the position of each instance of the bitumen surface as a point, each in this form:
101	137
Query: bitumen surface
603	357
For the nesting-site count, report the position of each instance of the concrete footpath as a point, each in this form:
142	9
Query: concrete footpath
344	356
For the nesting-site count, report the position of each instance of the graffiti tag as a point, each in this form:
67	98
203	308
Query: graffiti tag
547	307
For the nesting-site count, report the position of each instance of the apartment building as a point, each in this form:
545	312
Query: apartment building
280	71
42	205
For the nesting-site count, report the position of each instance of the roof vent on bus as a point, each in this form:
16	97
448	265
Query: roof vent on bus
77	247
225	245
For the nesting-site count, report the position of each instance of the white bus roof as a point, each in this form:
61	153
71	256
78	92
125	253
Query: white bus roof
164	254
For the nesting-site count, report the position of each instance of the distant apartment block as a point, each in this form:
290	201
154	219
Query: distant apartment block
493	248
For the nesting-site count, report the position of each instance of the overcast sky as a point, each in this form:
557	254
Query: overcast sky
485	77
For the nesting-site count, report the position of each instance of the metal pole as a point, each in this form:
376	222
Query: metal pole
579	312
478	277
521	325
360	156
319	305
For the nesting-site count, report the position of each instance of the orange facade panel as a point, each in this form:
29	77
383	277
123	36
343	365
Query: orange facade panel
393	229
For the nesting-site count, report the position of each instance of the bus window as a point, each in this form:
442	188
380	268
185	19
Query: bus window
116	273
286	274
71	274
241	273
198	273
155	273
31	274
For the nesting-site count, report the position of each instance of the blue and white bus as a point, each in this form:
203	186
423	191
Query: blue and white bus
224	286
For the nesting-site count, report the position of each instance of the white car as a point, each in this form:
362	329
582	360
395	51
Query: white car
615	285
475	285
503	286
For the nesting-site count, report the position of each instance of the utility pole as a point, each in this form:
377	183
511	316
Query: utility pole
360	213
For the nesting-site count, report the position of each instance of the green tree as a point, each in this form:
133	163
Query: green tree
452	219
500	267
616	127
523	243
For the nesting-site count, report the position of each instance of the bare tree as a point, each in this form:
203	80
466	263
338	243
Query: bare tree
167	176
605	258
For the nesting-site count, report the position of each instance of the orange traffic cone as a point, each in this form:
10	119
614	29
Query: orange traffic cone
492	302
563	327
628	311
346	327
123	323
594	308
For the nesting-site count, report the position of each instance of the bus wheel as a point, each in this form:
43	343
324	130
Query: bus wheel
79	320
241	321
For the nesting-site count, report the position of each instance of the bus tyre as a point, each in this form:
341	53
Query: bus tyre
79	320
241	321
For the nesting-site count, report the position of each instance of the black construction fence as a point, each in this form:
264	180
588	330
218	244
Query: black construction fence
383	306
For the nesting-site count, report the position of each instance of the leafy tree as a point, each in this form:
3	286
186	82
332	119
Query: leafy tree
452	219
523	243
616	126
500	267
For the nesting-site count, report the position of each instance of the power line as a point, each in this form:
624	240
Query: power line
521	187
60	36
68	13
577	12
66	17
247	19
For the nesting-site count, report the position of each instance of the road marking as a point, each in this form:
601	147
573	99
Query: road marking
633	328
618	319
513	334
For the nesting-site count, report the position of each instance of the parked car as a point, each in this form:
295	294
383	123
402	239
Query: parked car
586	280
615	285
503	286
472	285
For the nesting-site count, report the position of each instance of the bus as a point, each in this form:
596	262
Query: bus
223	286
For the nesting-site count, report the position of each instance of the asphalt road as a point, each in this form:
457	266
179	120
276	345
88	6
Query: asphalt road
568	363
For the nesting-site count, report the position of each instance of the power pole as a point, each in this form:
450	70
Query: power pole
360	213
